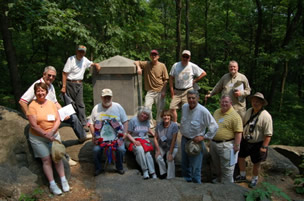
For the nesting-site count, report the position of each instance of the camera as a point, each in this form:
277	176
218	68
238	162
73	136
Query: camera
248	137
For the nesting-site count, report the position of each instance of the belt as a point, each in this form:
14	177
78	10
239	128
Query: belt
221	141
182	89
187	138
75	81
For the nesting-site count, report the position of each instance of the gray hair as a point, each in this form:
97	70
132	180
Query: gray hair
192	91
226	96
143	109
233	61
46	69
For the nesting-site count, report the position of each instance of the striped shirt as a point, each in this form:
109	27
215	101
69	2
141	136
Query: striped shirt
229	123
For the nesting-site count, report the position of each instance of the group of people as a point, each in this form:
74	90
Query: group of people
233	132
230	130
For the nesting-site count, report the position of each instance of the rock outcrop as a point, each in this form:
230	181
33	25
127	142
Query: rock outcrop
18	167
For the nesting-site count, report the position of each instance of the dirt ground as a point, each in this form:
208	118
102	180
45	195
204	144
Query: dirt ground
82	185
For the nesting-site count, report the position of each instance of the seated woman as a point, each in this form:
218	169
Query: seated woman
138	130
165	144
44	121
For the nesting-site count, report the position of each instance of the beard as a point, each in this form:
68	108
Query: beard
107	104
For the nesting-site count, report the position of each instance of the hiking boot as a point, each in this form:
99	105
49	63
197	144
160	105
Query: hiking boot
120	172
55	189
65	186
240	179
98	172
253	183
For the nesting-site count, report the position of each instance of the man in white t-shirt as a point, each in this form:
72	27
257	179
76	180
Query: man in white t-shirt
108	119
72	76
185	75
48	77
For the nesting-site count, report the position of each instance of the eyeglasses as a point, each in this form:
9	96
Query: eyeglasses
49	75
186	56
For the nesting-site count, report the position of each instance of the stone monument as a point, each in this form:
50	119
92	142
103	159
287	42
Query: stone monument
119	74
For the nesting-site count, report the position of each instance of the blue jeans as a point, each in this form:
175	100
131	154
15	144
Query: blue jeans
191	165
119	153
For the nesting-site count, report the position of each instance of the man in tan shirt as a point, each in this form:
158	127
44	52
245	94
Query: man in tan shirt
155	78
235	85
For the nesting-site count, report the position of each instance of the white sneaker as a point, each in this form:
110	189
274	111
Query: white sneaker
72	163
55	190
89	136
65	186
154	176
146	174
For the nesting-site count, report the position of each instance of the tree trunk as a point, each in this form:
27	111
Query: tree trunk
10	52
178	28
290	29
187	26
206	30
285	73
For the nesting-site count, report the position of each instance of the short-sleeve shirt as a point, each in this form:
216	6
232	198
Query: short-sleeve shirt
138	129
165	135
115	111
76	68
229	123
154	75
262	128
184	75
29	95
194	122
43	114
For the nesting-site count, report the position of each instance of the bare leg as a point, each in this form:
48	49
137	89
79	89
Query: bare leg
256	168
60	168
47	167
242	164
174	114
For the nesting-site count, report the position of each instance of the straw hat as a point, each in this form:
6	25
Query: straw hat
193	148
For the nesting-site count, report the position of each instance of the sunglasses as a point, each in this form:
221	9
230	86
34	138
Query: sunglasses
154	55
186	56
49	75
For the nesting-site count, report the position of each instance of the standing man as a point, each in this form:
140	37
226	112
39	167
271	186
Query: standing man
48	78
235	85
156	78
226	140
195	119
256	137
72	77
109	118
185	75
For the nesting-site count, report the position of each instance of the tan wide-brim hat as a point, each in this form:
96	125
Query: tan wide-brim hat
58	151
260	96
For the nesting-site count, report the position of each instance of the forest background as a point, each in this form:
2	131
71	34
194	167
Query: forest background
266	38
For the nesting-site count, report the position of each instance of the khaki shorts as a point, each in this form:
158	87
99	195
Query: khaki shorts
179	99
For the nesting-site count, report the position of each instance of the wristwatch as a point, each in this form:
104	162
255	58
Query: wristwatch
265	147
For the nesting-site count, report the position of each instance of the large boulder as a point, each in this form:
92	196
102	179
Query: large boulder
294	154
17	161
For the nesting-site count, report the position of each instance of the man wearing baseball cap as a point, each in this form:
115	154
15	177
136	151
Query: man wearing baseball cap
72	76
256	137
108	117
184	75
155	78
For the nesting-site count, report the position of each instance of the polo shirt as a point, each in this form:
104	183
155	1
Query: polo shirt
229	123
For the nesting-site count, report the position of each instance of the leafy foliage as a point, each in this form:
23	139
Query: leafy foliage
266	191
